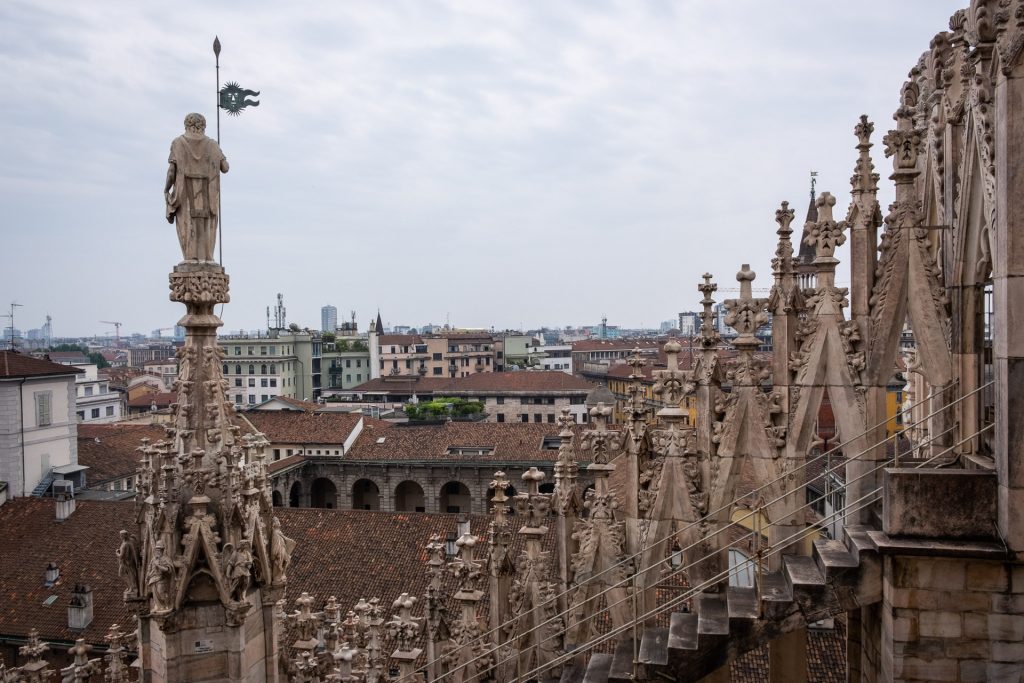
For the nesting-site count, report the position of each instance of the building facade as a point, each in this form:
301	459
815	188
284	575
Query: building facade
38	425
284	363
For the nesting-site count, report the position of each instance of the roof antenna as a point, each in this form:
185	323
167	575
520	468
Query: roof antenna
814	180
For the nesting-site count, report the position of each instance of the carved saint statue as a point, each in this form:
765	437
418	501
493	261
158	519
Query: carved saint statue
128	561
159	578
238	568
192	190
280	552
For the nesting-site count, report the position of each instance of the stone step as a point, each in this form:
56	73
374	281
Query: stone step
621	670
573	673
598	668
833	558
682	631
742	603
802	573
654	646
858	541
775	588
712	614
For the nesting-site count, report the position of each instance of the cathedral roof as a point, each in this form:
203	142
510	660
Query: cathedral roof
110	450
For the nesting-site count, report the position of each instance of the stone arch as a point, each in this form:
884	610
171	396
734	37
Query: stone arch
323	494
277	498
409	497
295	495
365	495
454	497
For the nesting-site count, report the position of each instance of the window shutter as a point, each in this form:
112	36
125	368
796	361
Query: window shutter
43	409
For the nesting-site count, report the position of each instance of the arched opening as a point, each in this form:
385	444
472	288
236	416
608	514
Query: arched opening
454	498
277	498
409	497
324	494
294	495
365	495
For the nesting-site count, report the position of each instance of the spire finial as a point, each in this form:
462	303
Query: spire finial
814	181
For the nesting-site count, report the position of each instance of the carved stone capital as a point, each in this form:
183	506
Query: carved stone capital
199	284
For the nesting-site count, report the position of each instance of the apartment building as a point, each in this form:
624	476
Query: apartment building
447	354
283	363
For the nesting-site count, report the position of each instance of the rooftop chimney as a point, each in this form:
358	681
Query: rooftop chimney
80	607
64	492
51	575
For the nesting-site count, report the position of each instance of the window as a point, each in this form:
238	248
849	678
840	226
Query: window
524	418
44	400
238	350
277	454
273	351
359	362
437	371
501	417
348	362
263	382
225	369
81	415
551	418
252	381
249	350
437	356
537	417
408	364
500	400
238	369
95	413
273	369
238	381
470	450
110	411
238	399
348	378
273	381
263	398
252	399
252	369
263	350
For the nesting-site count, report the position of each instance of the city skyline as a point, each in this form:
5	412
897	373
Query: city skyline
439	162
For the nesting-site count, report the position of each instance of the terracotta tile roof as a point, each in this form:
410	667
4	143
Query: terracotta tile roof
403	384
67	357
14	364
287	426
511	441
399	340
490	382
108	450
285	463
826	659
163	399
292	402
533	381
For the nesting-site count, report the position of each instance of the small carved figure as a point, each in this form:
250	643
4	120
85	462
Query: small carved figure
128	561
239	569
159	578
192	189
280	552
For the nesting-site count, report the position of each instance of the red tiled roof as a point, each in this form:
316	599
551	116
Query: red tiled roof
287	426
162	399
532	380
511	441
109	450
285	463
14	364
492	382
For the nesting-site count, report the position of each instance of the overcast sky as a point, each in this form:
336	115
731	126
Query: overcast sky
502	163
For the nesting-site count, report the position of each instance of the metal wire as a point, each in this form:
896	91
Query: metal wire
623	582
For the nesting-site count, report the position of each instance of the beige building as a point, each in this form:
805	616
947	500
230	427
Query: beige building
451	354
284	363
37	424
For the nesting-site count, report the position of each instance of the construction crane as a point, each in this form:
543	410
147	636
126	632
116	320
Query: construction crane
158	332
117	329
